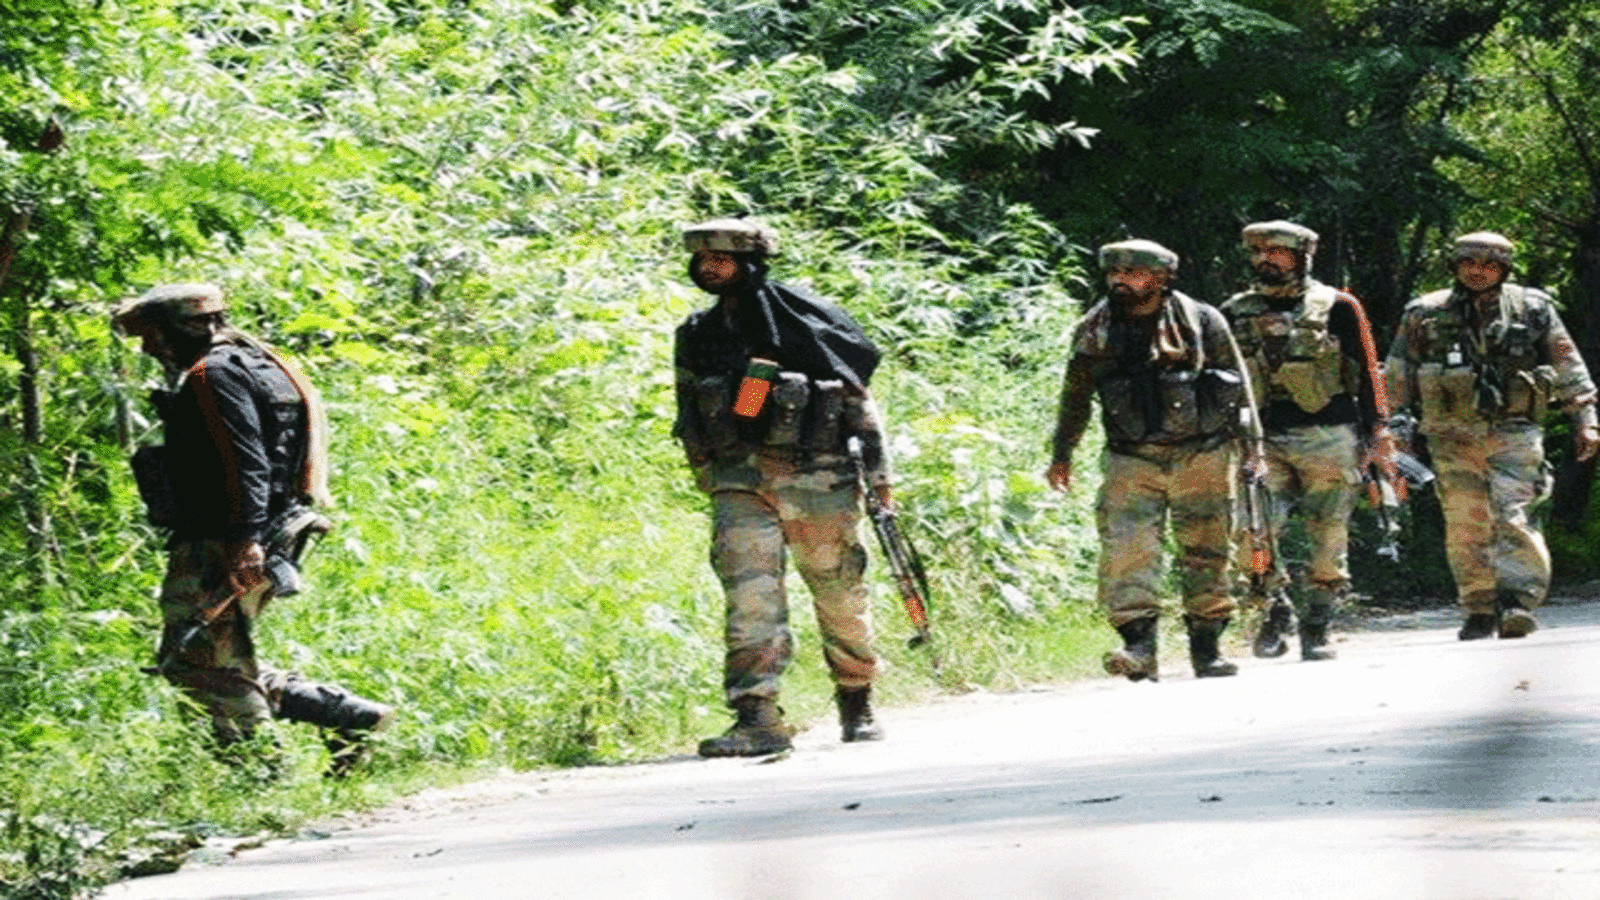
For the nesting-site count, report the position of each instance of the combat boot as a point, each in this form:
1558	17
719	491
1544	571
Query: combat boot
855	715
1203	652
1478	626
1314	630
346	720
1515	620
1137	658
757	731
1278	622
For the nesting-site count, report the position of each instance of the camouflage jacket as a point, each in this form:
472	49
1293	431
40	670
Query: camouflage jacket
1170	378
1504	359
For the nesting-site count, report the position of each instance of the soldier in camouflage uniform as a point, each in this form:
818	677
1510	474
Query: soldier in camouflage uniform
1171	386
1302	345
1483	360
771	390
245	457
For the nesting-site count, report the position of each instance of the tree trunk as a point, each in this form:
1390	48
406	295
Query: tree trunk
43	548
1574	480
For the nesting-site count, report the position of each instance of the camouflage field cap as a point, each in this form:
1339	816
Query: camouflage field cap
1279	233
176	302
1482	245
1149	254
732	236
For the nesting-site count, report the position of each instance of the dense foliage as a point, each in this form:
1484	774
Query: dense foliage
462	216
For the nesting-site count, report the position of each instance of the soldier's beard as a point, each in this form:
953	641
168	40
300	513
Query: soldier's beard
1273	276
1128	299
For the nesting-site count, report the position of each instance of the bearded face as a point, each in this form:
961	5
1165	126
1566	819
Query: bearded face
1275	266
714	271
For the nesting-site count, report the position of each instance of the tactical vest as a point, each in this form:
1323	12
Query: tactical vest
1464	378
1169	401
174	497
801	416
1292	355
283	425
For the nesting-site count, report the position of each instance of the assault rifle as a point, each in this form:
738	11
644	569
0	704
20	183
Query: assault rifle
904	560
287	540
1386	470
1387	491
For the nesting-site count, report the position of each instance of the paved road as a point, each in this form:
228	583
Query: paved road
1414	767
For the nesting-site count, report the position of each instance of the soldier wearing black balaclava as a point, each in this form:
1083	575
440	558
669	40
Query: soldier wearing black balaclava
771	389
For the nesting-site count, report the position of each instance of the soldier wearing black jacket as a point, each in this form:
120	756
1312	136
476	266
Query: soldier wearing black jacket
244	460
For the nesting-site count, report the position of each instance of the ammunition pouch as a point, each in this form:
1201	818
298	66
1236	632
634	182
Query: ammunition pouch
1528	393
1219	393
1449	394
1124	412
1180	404
714	405
791	393
827	410
155	485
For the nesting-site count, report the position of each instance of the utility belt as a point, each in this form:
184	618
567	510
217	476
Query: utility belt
1169	406
1467	393
791	413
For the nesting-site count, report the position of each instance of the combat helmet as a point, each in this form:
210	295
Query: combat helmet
1482	245
168	306
1259	236
1138	252
732	236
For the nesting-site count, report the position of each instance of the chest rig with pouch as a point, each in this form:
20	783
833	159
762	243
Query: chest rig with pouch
1164	394
799	415
1490	374
1291	355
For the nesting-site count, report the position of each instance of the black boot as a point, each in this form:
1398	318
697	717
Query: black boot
757	731
1137	658
855	715
1278	622
1314	630
347	721
1515	620
1478	626
1203	651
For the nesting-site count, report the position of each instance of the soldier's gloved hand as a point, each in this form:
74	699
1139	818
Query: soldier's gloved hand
1585	441
246	566
1059	475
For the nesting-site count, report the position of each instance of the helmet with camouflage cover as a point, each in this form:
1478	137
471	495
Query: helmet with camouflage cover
169	306
1148	254
1482	245
732	236
1258	236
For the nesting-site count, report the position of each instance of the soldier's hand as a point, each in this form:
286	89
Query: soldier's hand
1381	448
246	566
885	497
1059	475
1585	441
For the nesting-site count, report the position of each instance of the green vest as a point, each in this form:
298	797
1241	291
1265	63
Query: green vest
1291	355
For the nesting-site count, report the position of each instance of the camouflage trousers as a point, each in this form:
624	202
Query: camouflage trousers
1315	471
771	509
1144	489
217	669
1488	478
